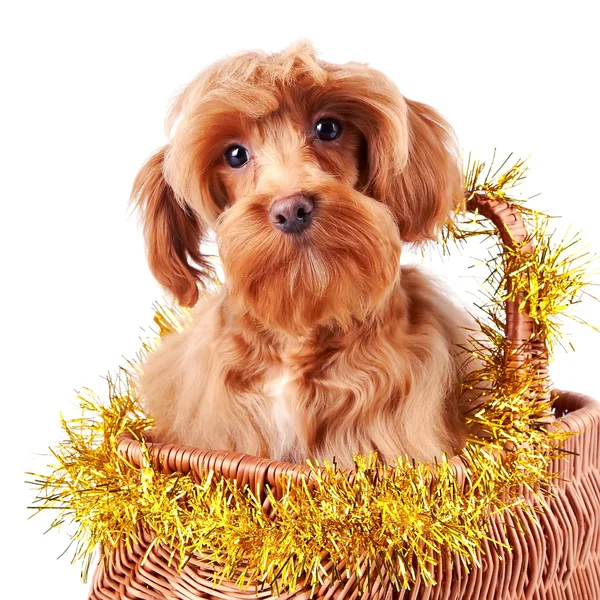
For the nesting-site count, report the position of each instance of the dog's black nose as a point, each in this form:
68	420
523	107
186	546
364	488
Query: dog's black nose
292	214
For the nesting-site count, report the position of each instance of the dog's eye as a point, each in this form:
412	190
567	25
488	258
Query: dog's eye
237	156
328	129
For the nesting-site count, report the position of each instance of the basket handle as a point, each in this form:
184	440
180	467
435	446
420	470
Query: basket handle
525	342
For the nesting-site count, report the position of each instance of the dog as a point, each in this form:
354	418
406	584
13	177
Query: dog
319	344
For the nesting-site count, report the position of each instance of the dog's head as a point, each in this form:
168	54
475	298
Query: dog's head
311	175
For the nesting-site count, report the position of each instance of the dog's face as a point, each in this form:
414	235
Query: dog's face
311	175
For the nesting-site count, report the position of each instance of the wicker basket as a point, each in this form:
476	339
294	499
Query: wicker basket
554	555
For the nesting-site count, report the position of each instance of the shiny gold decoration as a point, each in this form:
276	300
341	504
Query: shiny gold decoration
386	520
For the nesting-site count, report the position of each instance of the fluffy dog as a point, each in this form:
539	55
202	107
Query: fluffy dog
319	345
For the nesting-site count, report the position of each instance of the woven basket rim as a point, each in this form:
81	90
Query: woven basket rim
170	458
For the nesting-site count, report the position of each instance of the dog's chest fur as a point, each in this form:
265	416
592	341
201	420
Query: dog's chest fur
284	439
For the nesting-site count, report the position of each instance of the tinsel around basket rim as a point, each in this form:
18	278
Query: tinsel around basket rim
397	520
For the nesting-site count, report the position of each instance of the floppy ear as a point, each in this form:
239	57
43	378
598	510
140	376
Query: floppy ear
173	232
429	187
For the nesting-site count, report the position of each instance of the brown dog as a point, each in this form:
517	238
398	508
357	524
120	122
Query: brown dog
319	344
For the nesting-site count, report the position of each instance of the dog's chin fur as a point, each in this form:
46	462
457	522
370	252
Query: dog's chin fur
319	345
338	272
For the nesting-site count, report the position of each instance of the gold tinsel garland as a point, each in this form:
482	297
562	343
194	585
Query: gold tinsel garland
392	522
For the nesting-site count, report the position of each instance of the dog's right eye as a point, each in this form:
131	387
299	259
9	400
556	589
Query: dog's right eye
237	156
328	129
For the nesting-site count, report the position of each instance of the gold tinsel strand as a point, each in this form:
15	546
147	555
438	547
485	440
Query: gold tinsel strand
384	521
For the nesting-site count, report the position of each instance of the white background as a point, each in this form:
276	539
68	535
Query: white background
85	87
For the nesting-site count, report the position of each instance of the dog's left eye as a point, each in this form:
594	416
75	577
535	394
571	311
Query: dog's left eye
328	129
237	156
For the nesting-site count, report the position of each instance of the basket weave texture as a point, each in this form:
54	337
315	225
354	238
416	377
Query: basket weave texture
554	555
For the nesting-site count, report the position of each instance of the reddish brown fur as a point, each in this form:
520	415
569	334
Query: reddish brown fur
172	233
319	344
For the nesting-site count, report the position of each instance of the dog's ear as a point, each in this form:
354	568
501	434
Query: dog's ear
418	173
173	232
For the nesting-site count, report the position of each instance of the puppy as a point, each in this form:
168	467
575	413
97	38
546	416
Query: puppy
319	345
